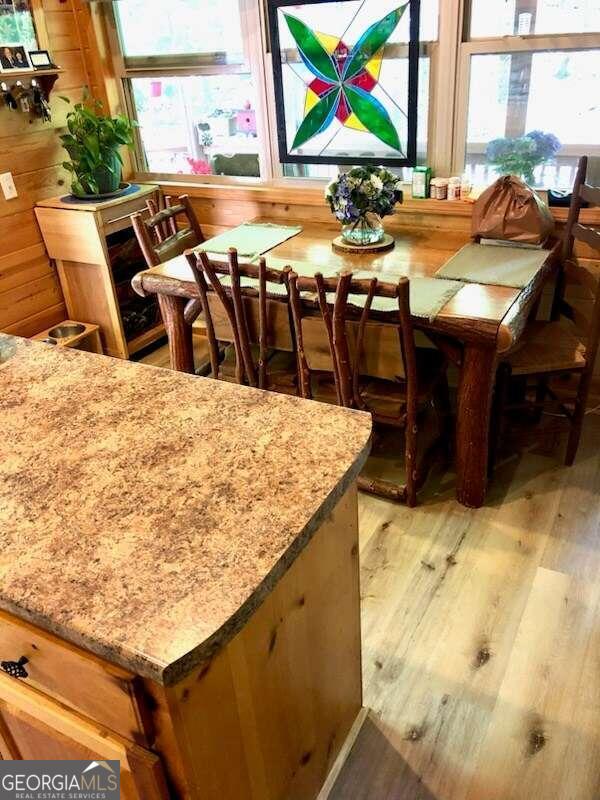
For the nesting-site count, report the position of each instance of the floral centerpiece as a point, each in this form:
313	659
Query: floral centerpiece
360	198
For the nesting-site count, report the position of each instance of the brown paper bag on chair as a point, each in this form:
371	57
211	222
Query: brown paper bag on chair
510	210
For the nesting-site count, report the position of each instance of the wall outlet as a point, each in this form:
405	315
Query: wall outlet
8	186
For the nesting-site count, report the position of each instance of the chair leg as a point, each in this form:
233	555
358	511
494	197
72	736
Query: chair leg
410	459
443	410
540	395
503	375
578	418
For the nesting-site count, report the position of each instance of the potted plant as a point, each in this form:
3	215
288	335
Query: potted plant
360	198
521	155
93	143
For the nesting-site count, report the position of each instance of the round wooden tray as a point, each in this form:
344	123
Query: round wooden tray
387	243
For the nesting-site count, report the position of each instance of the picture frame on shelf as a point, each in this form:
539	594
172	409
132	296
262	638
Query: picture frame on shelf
14	58
40	59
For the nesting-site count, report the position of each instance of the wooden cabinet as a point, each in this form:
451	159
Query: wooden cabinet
74	678
264	718
34	727
86	240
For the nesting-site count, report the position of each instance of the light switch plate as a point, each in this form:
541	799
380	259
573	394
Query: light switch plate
8	186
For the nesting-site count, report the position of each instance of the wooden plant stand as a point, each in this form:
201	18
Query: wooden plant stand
79	235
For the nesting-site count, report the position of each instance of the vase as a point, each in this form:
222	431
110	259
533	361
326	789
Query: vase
366	230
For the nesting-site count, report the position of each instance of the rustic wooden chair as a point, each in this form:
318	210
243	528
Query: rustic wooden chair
418	378
244	315
568	344
161	237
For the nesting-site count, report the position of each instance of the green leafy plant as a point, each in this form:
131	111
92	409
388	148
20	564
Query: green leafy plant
520	156
93	142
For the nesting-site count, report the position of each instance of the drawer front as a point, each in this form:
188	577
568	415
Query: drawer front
117	217
103	692
35	727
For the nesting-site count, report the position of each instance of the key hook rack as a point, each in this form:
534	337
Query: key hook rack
42	79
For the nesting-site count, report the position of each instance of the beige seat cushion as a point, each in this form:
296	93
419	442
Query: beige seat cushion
548	347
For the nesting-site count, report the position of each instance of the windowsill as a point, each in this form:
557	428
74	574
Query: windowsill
292	191
306	192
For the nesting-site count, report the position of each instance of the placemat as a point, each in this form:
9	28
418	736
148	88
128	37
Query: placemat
427	295
498	266
304	268
250	239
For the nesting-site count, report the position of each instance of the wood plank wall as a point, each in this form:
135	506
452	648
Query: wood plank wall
30	295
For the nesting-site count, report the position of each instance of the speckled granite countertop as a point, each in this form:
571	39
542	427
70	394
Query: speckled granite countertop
144	514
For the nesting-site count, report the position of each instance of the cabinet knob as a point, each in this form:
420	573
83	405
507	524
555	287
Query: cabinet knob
15	669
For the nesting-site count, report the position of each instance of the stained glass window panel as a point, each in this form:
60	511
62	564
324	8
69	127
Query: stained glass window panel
342	80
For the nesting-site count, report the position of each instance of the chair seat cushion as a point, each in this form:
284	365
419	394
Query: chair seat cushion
548	347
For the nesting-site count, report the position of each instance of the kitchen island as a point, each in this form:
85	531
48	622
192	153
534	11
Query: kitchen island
179	582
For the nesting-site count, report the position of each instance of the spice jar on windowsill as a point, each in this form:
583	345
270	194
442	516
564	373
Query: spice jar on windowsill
439	188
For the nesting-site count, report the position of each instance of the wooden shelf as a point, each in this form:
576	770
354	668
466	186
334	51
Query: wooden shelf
147	337
7	75
46	78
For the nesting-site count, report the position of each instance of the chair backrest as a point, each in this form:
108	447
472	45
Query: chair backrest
573	273
238	302
161	237
345	319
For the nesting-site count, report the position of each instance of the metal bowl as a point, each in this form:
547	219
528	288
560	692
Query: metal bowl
66	331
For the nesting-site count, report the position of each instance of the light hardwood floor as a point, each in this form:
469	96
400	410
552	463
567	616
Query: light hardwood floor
481	635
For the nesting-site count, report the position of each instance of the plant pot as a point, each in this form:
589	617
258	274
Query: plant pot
108	181
366	230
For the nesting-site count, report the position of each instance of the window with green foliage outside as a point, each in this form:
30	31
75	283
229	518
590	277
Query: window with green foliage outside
16	24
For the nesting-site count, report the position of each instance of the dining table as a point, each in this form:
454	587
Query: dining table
474	328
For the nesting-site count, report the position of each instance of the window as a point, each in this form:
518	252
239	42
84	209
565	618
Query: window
523	17
531	95
194	94
154	29
16	24
197	76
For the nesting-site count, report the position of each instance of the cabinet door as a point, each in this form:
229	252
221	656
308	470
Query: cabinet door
34	727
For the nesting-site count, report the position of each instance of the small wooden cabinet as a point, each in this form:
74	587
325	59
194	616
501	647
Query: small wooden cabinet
96	254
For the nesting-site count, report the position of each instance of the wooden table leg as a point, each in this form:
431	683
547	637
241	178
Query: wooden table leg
473	422
179	332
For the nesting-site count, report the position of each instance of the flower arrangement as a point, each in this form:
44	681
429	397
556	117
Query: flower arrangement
520	156
359	198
